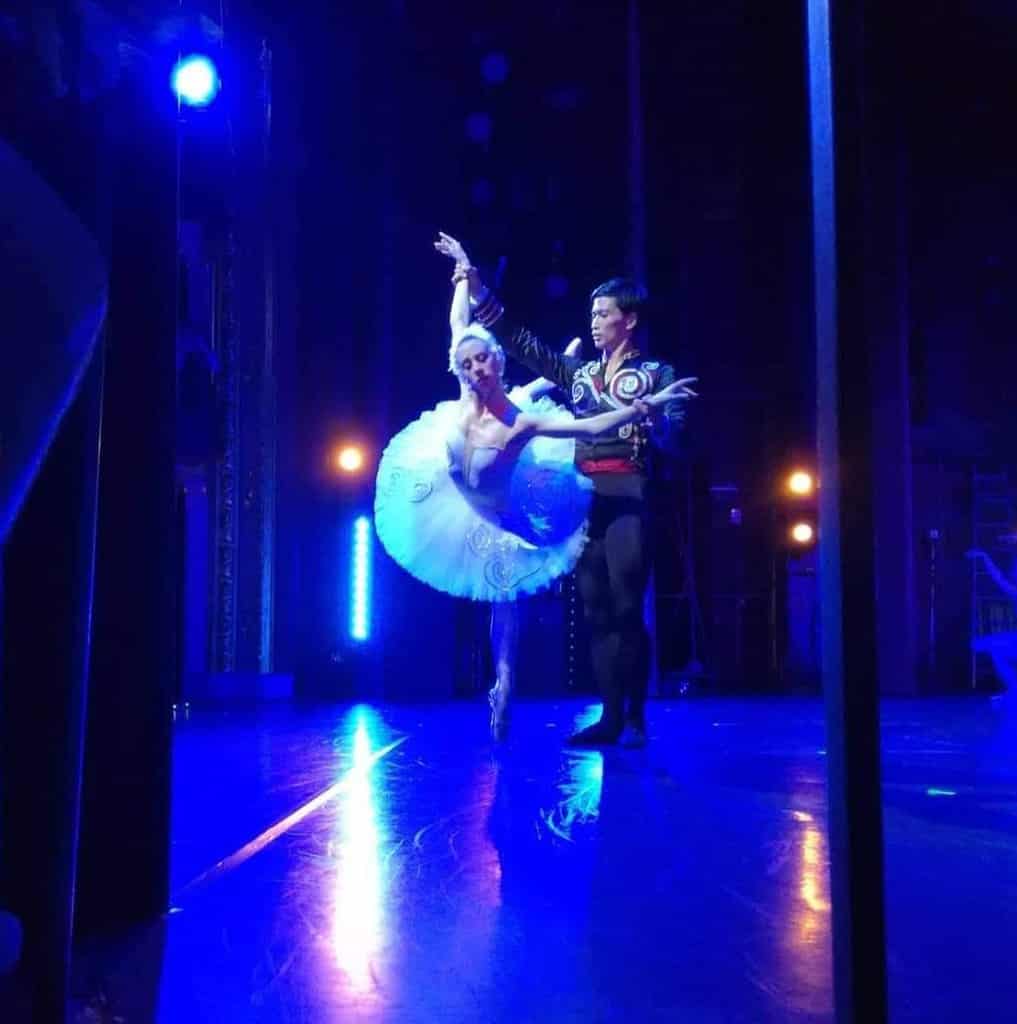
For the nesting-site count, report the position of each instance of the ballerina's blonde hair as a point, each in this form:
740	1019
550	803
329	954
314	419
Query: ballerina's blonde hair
475	332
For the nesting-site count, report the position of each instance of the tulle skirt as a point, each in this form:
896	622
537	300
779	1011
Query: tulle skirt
486	546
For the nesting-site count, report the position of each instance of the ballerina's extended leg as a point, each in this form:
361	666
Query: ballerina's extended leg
504	639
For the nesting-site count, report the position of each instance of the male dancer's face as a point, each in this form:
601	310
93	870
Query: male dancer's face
609	326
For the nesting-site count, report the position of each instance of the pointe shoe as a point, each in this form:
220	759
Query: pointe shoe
497	697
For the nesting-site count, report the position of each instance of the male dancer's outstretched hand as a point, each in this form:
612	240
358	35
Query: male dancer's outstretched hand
676	389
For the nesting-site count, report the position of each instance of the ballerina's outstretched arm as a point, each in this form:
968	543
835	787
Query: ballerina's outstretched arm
552	426
459	314
459	310
459	320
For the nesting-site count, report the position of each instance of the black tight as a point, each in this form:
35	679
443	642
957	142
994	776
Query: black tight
611	577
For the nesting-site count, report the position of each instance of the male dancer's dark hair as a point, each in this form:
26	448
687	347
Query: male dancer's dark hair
629	295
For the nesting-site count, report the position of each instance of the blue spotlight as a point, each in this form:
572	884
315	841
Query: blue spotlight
360	582
195	80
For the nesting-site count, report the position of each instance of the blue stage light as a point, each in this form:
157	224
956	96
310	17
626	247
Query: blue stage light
360	597
195	80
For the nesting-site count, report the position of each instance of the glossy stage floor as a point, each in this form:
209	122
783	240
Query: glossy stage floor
389	864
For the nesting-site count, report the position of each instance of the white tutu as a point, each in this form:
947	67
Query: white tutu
487	546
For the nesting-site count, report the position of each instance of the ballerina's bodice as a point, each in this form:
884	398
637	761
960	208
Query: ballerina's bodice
482	453
482	457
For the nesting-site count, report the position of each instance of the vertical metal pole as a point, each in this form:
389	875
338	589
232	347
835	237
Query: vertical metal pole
126	793
843	393
637	176
636	257
268	438
227	469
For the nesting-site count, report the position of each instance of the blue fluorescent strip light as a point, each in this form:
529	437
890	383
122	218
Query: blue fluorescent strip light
360	603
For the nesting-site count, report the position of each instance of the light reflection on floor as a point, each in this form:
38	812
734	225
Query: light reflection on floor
359	894
390	865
